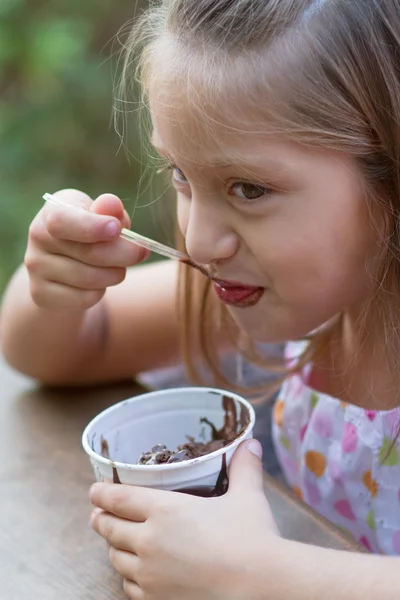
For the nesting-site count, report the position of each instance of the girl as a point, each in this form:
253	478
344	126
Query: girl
280	122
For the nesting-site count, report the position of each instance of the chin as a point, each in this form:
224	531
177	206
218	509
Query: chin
268	328
267	337
257	327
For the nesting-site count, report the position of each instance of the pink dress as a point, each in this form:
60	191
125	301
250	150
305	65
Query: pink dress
340	459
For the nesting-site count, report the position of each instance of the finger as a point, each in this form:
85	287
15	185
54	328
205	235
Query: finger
126	221
56	296
109	204
110	253
118	253
126	563
132	590
119	533
128	501
74	273
77	200
246	483
246	472
79	224
75	197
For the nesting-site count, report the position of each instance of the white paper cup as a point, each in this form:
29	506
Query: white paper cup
165	417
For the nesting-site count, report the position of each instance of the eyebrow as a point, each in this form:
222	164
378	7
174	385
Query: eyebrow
250	162
212	163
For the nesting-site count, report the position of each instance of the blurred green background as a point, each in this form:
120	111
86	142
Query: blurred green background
58	65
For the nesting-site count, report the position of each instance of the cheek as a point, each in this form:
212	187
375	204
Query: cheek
320	258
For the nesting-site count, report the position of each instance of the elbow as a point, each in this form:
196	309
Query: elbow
15	361
15	358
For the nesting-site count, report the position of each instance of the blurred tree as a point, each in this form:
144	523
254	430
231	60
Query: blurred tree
56	127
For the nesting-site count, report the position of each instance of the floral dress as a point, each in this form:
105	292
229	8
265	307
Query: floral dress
340	459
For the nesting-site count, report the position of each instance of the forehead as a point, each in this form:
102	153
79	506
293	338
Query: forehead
239	151
200	103
201	133
209	110
190	136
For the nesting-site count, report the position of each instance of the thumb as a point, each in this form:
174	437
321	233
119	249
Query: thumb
246	471
110	205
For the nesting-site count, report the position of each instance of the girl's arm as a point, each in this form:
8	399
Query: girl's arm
133	328
301	572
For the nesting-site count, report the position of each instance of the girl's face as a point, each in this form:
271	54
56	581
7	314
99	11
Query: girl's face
271	213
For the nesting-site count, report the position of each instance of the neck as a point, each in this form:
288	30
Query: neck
358	371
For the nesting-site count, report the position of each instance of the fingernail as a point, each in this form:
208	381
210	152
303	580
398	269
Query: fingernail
143	254
112	228
255	448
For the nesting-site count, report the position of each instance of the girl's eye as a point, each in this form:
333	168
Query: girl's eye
249	191
179	175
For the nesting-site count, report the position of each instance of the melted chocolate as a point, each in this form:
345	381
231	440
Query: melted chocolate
104	451
209	491
205	491
116	478
221	487
244	418
231	429
203	270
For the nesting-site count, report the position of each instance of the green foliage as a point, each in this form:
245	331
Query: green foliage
56	129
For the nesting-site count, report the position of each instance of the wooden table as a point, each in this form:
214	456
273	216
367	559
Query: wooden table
47	550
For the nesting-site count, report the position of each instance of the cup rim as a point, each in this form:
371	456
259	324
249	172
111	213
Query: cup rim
172	466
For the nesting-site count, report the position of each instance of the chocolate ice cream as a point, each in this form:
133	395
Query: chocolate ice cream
160	454
231	429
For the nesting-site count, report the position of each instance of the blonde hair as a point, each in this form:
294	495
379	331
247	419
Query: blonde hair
323	72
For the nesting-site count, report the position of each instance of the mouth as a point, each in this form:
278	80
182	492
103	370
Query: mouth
238	294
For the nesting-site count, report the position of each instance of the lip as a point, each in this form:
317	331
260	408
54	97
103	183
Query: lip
227	284
238	294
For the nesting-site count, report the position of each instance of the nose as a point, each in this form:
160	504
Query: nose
208	235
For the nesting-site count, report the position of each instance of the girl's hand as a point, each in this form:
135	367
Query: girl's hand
73	256
171	546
